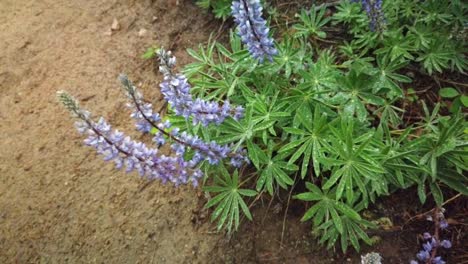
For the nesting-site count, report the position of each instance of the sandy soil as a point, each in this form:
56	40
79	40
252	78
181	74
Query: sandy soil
59	202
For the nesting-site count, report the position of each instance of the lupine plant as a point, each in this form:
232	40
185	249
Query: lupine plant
295	112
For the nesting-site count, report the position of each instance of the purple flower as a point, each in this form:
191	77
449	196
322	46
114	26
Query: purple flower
438	260
446	244
146	120
423	255
427	246
253	29
432	243
176	91
443	224
113	145
426	235
374	11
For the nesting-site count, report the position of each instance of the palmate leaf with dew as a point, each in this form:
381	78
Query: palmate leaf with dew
312	22
399	162
290	59
422	35
355	90
333	218
436	57
229	200
272	170
353	162
435	12
350	14
356	58
446	144
390	115
309	141
388	78
243	130
268	110
398	47
320	76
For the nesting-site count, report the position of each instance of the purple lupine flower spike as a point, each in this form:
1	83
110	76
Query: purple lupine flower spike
375	13
212	152
176	91
253	29
115	146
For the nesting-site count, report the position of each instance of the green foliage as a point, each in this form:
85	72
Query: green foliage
428	32
228	200
332	118
149	53
459	101
311	24
220	8
335	219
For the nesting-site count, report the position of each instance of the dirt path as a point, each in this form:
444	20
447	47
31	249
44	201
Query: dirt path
58	202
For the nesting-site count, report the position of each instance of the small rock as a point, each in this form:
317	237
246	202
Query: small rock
154	19
142	32
115	25
108	32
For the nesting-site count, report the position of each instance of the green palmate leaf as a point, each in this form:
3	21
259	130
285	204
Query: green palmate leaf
228	200
354	160
334	219
256	155
311	23
448	92
274	171
310	146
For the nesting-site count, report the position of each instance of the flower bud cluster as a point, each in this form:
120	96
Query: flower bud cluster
252	29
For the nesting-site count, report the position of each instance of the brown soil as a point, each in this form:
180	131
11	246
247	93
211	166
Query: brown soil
59	202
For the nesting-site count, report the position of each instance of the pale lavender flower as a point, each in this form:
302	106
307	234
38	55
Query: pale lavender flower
423	255
432	243
113	145
446	244
427	235
212	152
252	29
375	13
176	91
443	224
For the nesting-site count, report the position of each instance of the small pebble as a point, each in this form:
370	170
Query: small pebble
142	32
108	32
115	25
